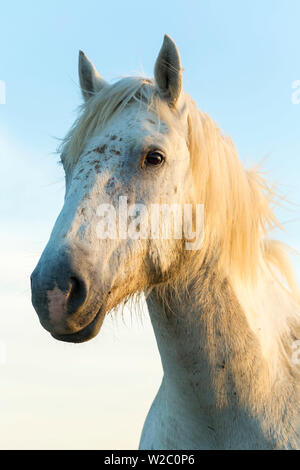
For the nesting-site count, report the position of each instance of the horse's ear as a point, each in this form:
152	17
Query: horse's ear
168	71
90	80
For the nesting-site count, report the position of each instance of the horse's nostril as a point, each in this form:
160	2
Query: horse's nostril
77	294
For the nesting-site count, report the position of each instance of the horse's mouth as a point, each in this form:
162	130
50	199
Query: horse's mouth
87	333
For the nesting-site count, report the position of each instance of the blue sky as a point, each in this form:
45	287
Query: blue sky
240	60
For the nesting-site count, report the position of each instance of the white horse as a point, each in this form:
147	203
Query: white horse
226	316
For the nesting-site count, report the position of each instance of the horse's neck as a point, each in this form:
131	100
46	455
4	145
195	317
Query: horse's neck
215	370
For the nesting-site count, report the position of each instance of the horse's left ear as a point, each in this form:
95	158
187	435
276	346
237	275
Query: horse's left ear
168	71
90	80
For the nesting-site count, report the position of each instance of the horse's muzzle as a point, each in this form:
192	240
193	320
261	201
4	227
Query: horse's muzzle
61	298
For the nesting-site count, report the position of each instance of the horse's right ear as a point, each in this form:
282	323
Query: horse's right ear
90	80
168	71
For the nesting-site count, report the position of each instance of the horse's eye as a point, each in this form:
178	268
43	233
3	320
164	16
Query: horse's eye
154	158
